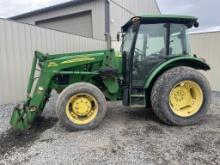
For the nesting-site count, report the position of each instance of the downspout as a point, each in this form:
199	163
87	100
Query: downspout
109	40
107	25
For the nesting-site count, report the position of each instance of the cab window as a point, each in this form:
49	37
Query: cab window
178	40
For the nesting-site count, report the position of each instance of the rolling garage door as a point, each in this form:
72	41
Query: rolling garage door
80	24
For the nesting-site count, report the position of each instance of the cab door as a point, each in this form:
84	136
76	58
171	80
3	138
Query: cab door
149	51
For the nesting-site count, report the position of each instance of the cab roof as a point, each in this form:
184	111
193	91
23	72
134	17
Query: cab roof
189	21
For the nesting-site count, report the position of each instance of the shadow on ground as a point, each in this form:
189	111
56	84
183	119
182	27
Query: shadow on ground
14	139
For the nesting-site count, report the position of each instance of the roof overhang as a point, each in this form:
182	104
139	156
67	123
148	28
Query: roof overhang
189	21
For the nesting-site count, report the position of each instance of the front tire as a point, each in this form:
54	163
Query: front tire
81	106
181	96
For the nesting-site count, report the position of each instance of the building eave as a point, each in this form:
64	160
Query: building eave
50	8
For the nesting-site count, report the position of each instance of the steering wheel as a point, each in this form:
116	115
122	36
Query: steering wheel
139	53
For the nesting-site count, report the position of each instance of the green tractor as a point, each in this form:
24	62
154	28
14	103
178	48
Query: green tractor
154	69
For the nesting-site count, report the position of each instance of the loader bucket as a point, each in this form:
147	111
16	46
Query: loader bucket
19	118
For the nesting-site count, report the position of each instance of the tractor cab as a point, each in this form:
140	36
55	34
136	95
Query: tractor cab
147	42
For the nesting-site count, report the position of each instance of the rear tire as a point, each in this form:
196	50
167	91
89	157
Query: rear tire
81	106
170	109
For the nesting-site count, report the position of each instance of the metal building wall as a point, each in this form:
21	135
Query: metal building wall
206	45
96	7
17	45
79	24
122	10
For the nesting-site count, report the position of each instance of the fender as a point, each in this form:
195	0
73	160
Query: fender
189	61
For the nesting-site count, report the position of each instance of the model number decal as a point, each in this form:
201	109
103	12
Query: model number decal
54	64
78	60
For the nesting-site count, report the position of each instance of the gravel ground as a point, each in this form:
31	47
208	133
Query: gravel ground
126	136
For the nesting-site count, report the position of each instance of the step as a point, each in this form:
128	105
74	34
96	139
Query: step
137	95
137	106
137	100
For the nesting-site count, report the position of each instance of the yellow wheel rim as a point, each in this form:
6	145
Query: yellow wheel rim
82	108
186	98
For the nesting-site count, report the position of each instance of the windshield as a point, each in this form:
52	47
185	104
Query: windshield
128	40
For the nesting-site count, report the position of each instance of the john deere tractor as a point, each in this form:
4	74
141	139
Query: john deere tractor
154	69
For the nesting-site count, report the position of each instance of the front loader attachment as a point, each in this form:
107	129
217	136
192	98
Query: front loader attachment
23	116
56	73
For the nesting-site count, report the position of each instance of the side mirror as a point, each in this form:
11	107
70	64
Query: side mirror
124	55
118	36
196	24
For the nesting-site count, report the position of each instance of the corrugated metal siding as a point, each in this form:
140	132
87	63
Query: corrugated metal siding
119	16
206	45
17	45
116	45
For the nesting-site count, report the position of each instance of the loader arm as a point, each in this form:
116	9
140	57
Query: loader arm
23	117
